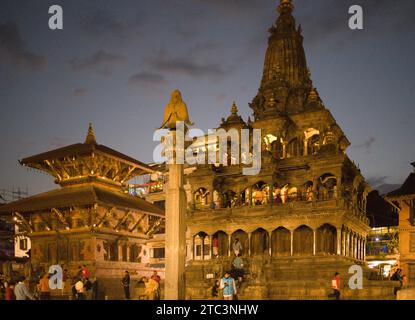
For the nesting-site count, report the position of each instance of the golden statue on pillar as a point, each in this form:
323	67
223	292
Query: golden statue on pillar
176	110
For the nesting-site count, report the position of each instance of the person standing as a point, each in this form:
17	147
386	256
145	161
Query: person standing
157	278
227	284
84	272
21	291
79	287
237	247
43	287
215	246
126	285
88	289
215	290
151	287
94	288
335	284
9	295
237	264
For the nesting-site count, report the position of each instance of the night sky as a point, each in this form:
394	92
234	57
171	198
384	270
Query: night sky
116	62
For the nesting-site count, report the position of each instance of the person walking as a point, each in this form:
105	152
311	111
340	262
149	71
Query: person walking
21	291
237	265
126	285
335	284
227	284
43	287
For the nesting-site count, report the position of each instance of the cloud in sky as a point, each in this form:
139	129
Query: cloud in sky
146	78
186	65
80	92
102	23
366	145
101	62
13	49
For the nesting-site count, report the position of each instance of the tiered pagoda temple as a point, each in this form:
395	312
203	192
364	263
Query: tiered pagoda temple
90	219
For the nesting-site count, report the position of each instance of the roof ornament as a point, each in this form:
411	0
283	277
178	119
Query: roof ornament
90	137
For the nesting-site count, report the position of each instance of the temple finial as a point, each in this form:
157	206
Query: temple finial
90	137
285	6
234	109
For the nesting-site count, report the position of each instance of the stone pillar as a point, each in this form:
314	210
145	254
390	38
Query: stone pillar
271	195
292	242
314	242
364	249
305	147
230	245
249	244
284	150
339	241
347	238
343	242
119	245
193	248
250	197
270	243
210	246
203	248
128	252
175	231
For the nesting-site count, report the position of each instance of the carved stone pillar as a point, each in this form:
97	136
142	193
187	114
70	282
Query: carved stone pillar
292	243
339	241
314	242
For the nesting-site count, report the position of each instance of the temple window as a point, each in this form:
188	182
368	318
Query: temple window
277	149
308	194
327	188
326	240
313	144
281	242
260	194
259	242
303	241
220	244
293	148
201	198
230	199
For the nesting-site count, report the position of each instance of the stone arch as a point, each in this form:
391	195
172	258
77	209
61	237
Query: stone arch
327	186
303	241
294	148
243	239
199	249
260	193
281	242
220	244
326	240
313	144
259	242
201	198
230	199
277	149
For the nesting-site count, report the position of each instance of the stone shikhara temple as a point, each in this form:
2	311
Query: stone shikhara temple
300	220
303	217
89	220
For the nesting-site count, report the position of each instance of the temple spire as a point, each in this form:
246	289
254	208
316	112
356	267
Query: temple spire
234	109
285	6
90	137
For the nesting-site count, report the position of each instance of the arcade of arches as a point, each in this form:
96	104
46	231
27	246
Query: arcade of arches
261	193
281	242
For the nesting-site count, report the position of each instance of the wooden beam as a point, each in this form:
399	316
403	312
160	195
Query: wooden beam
138	222
122	220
